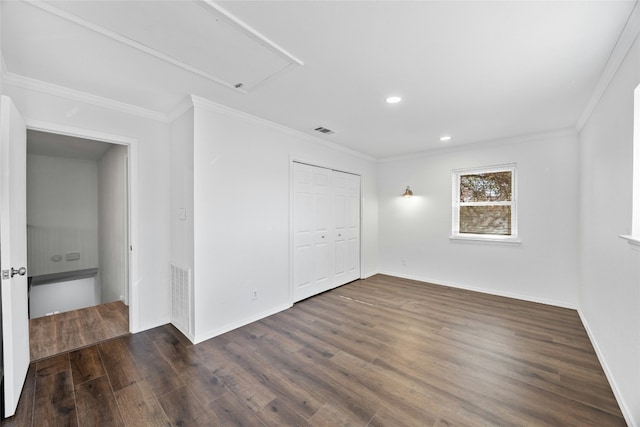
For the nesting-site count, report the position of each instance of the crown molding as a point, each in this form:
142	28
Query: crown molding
183	106
15	80
129	42
473	145
75	132
191	101
205	104
211	7
622	47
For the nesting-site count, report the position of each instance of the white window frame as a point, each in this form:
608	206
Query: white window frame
456	204
634	237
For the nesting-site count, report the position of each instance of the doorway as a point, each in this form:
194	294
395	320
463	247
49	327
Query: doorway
326	217
78	241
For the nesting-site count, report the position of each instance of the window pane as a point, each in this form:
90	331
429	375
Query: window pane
485	220
486	187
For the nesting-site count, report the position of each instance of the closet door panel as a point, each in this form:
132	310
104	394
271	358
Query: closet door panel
322	228
302	228
340	226
326	229
303	245
352	229
312	225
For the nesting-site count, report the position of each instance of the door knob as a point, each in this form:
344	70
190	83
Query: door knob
21	271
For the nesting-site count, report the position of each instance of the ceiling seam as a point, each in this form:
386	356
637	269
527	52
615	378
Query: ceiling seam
131	43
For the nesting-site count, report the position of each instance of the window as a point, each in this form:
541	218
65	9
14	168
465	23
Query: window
634	237
484	203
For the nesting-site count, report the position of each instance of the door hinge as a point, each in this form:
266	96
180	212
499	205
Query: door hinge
6	274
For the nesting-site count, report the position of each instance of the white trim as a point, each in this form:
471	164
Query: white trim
481	144
616	58
607	372
477	238
209	6
16	80
291	230
187	103
635	184
633	241
292	161
187	334
3	65
254	318
456	204
132	145
483	290
223	109
367	276
75	132
249	31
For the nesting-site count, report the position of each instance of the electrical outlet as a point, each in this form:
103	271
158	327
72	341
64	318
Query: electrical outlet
254	294
73	256
404	262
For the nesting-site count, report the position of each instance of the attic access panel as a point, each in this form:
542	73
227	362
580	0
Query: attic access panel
196	35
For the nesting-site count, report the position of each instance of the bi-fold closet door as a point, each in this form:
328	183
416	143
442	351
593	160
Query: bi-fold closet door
326	229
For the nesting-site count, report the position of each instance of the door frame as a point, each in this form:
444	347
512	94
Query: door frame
132	202
292	160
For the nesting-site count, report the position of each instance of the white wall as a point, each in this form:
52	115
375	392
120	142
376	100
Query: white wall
112	223
58	297
151	281
542	268
609	267
182	180
242	214
182	231
62	213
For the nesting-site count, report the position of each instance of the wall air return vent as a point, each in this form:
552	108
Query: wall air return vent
181	299
324	130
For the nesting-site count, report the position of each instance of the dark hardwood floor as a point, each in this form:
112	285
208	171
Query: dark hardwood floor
377	352
59	333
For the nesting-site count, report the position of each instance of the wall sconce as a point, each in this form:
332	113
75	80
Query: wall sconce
408	192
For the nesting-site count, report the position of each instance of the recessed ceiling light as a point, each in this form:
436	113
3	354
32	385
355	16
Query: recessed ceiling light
393	99
445	138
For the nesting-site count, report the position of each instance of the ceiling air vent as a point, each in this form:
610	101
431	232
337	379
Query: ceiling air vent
324	130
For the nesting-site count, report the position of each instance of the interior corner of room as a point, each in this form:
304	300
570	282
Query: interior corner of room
245	187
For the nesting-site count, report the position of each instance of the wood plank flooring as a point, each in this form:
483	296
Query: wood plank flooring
377	352
60	333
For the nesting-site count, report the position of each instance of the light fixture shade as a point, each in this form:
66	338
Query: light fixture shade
408	192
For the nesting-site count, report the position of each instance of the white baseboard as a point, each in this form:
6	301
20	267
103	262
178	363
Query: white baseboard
366	276
623	407
150	325
219	331
483	290
189	336
616	392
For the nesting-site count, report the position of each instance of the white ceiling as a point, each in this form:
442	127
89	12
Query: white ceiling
55	145
477	70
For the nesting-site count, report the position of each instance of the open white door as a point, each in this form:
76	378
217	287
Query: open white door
13	252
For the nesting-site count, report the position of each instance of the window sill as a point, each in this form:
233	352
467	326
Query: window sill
474	239
633	241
